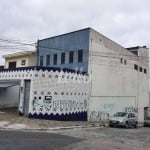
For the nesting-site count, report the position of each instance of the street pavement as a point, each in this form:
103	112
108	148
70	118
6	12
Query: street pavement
19	140
9	119
77	139
20	133
109	139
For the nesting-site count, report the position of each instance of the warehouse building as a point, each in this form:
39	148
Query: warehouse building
118	76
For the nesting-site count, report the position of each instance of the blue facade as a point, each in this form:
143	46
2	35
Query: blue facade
51	51
80	116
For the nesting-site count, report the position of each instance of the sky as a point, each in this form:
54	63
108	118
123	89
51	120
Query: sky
126	22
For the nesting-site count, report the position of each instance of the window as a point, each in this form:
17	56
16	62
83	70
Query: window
141	69
133	115
145	71
47	60
23	62
125	62
129	115
12	64
62	58
121	60
55	59
135	67
120	114
41	60
135	52
80	55
71	57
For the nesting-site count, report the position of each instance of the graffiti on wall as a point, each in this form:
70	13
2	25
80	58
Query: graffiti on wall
130	109
60	106
107	111
104	114
47	103
99	115
108	107
36	105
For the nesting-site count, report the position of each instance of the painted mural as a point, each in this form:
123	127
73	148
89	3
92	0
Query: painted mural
59	94
54	105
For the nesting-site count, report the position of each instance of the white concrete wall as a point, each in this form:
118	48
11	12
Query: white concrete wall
73	86
105	106
69	91
113	82
9	97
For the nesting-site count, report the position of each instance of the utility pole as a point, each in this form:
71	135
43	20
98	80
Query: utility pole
37	49
137	96
90	80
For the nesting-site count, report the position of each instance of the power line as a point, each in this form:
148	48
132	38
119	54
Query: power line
16	42
92	53
62	49
7	45
125	55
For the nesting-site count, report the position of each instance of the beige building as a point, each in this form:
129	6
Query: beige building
9	89
20	59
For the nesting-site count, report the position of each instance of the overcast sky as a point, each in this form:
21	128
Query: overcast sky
125	21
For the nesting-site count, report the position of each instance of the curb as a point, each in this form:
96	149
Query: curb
51	129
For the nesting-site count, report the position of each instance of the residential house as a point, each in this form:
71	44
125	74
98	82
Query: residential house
9	89
20	59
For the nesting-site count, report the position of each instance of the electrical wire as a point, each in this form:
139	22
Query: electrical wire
21	45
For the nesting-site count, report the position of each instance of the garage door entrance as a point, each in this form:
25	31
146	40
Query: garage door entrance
9	94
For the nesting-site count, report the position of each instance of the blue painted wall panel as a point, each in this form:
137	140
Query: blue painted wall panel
73	41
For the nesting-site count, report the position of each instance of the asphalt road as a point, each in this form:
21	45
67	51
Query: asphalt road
15	140
110	139
77	139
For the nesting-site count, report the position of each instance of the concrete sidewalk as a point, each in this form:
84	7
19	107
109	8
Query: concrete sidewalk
9	119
